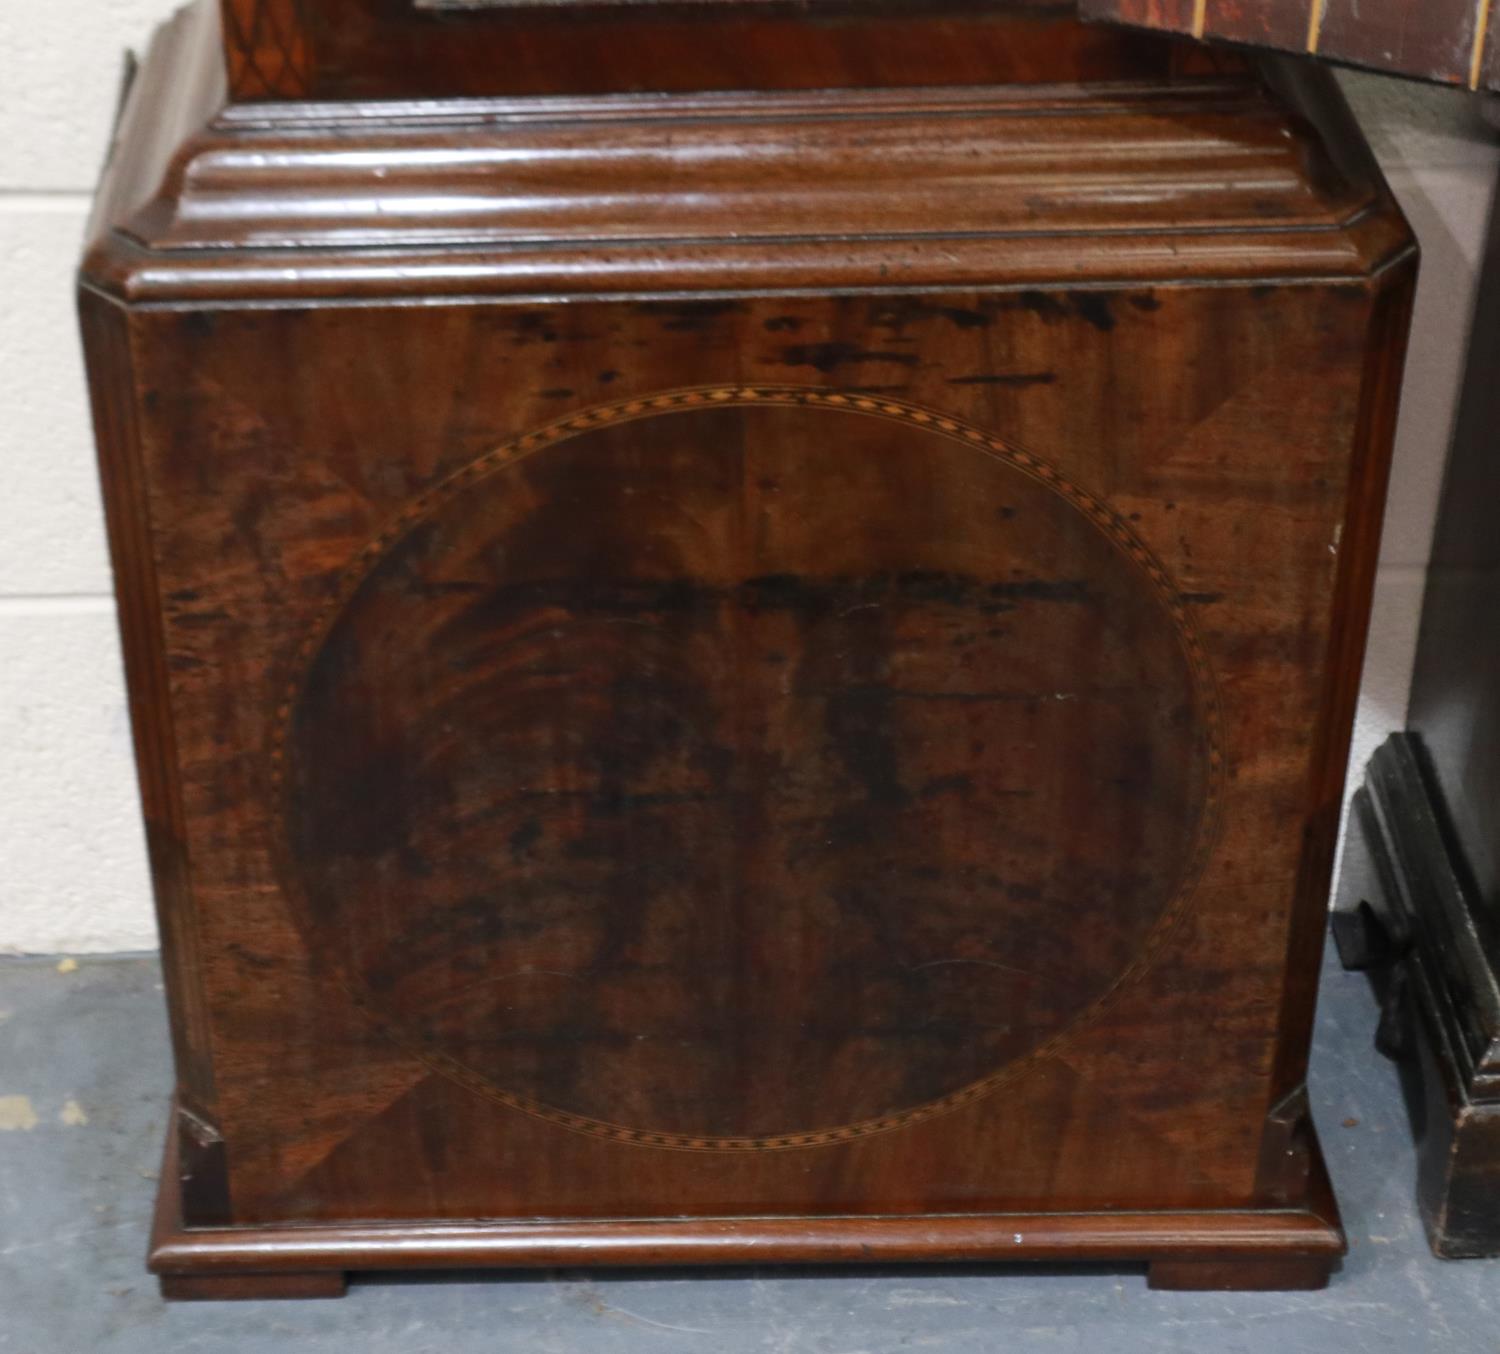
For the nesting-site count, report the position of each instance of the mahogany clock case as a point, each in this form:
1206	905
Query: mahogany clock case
754	674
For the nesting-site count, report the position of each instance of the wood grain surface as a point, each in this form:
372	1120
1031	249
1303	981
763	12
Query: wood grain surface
376	49
1169	1059
762	773
804	719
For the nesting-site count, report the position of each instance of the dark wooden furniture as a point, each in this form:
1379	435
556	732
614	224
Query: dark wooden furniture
1452	41
1421	879
760	672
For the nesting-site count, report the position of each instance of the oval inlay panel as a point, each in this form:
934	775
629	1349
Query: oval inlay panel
747	768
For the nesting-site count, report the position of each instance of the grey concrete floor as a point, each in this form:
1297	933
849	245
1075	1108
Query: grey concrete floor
84	1077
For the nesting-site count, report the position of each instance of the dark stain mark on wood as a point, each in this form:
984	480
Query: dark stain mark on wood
827	357
525	836
694	317
1048	305
1019	379
1095	308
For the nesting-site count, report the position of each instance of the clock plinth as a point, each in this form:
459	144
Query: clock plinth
745	660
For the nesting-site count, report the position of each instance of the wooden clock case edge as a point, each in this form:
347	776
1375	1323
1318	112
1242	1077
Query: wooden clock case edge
149	251
209	201
1254	1249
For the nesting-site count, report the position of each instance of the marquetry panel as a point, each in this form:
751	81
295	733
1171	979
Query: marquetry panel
266	48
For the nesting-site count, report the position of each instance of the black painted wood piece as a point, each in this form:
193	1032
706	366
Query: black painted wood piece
1419	902
1409	915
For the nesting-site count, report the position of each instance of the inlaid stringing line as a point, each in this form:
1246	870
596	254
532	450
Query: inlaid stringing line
1481	34
1104	518
1315	23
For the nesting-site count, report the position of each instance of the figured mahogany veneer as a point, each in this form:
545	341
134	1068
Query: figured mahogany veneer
384	49
745	674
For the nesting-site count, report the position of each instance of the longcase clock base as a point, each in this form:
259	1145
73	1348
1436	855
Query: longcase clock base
1248	1250
732	640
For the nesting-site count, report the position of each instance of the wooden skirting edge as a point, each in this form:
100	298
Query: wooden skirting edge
1100	1236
